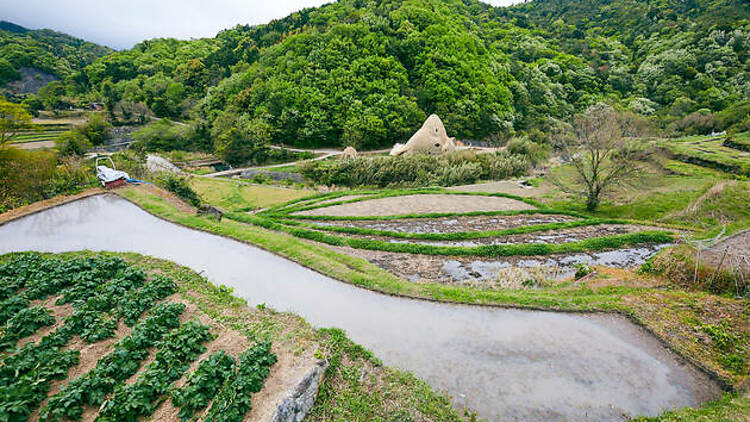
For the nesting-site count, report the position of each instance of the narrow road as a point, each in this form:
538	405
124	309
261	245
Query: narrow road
326	153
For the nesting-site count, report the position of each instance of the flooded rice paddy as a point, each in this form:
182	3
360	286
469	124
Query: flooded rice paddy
505	364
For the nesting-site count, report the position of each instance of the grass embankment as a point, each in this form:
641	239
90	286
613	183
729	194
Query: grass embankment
240	196
663	311
44	130
524	249
712	152
356	386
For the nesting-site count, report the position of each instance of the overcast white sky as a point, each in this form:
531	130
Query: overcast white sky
122	23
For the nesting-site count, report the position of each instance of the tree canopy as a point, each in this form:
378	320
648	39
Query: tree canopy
367	72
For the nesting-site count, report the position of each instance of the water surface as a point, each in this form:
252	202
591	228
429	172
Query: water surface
505	364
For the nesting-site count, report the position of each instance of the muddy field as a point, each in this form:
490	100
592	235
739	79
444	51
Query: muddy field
461	270
731	253
574	234
619	370
421	204
452	224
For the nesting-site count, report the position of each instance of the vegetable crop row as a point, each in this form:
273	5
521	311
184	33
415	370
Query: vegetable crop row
175	352
234	398
203	384
97	289
114	368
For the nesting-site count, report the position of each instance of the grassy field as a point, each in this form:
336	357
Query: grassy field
38	135
711	152
46	129
683	194
240	196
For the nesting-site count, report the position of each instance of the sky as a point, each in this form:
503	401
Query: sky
122	23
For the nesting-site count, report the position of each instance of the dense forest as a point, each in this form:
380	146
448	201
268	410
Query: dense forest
366	73
44	50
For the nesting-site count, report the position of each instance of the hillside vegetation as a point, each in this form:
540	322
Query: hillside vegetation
366	73
53	53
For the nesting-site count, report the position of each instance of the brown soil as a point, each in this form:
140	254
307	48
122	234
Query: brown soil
59	312
421	204
737	248
43	205
454	224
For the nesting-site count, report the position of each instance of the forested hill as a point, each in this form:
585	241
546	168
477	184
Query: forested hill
45	50
366	73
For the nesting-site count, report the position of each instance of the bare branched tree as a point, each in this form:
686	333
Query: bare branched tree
598	152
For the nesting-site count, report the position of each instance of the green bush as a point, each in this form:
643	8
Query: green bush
162	135
30	176
72	143
179	186
95	130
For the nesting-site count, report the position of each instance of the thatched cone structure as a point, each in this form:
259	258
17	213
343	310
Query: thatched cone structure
431	139
349	152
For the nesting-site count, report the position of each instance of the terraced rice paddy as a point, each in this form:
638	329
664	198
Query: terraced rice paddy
713	152
465	236
506	364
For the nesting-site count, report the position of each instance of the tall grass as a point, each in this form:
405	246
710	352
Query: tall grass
416	170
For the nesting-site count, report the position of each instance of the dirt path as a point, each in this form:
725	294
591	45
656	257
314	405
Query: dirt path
421	204
325	153
35	145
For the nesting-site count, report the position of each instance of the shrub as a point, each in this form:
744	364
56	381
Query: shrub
179	186
416	170
162	135
535	153
30	176
702	122
95	130
72	143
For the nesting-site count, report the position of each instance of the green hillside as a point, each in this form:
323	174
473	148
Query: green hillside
366	73
44	50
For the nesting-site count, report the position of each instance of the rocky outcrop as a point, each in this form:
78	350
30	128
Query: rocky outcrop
430	139
210	210
302	398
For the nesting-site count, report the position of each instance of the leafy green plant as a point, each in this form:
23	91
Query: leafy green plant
180	187
23	324
203	384
582	270
234	398
176	350
114	368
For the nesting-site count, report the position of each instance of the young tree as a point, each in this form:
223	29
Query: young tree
599	154
13	118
